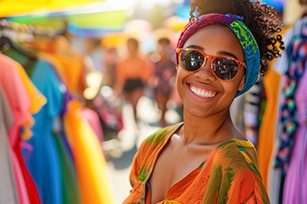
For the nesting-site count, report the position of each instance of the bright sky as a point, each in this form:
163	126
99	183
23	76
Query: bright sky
148	4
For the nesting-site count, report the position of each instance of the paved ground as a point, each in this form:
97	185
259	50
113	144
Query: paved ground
120	152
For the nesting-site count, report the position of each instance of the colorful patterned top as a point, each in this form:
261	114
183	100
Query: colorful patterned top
228	175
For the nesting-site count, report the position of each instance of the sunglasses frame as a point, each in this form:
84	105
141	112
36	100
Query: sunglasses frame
179	51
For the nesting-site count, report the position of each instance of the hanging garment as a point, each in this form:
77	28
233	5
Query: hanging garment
8	189
93	119
268	123
92	173
267	129
280	159
65	72
43	161
72	72
71	192
19	102
297	52
37	100
274	178
59	71
295	185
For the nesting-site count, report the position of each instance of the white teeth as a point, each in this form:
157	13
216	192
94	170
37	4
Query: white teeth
202	93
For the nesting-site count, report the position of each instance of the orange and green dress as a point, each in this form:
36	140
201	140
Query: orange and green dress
228	175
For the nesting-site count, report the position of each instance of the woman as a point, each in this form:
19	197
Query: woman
206	159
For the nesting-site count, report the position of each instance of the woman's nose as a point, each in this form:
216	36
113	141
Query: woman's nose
205	72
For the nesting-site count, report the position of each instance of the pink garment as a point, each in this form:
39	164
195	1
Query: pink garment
19	104
93	119
295	186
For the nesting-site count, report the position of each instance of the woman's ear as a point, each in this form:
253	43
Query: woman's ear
242	82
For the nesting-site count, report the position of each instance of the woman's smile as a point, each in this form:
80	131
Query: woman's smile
203	93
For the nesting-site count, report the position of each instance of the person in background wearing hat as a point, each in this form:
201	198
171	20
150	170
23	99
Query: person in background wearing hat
205	158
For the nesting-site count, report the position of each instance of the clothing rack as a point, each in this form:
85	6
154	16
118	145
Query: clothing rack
19	31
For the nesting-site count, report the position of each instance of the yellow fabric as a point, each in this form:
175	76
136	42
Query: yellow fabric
90	163
113	40
37	100
14	7
175	23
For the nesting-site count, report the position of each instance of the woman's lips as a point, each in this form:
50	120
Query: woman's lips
203	93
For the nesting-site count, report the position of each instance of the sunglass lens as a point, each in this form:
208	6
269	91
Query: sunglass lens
191	60
225	68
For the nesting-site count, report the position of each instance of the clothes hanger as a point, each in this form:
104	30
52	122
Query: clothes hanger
7	43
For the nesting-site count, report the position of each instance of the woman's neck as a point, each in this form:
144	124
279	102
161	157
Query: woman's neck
208	131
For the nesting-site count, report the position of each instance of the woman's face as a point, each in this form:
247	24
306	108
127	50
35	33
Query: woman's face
201	92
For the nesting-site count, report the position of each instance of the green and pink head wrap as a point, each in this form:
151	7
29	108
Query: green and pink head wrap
241	31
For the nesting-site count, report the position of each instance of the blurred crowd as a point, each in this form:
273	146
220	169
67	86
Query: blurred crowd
133	73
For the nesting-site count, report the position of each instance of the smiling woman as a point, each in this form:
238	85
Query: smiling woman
206	159
211	88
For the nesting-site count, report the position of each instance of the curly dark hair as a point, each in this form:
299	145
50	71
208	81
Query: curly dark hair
261	19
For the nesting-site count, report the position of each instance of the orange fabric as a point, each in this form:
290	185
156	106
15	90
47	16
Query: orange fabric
56	64
90	163
268	124
37	100
228	175
71	72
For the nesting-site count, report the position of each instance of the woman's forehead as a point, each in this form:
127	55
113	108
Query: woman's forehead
217	37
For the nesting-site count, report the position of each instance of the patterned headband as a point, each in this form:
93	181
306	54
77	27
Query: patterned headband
244	35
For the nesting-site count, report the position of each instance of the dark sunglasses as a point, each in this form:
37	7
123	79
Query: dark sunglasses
224	68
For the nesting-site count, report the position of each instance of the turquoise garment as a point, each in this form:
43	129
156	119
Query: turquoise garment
43	161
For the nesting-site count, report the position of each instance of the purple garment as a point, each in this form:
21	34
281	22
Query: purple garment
67	98
164	71
296	52
295	186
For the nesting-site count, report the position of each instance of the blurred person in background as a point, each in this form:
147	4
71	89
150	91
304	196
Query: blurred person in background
109	64
133	72
95	51
163	80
